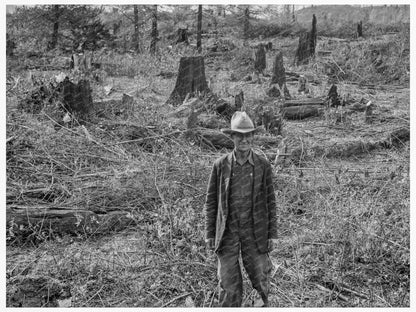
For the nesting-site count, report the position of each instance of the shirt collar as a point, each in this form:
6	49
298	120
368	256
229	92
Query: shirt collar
249	157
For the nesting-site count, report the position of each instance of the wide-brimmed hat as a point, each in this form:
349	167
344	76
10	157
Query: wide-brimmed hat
240	122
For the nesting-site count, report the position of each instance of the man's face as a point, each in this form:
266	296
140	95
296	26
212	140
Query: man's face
242	141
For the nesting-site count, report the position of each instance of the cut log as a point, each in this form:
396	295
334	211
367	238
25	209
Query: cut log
305	102
190	79
301	112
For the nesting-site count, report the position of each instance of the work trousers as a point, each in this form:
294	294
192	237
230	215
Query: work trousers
239	237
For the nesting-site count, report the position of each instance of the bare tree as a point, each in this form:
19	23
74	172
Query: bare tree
56	14
246	22
154	33
136	28
198	36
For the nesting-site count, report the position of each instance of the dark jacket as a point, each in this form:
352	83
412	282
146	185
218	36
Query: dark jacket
264	207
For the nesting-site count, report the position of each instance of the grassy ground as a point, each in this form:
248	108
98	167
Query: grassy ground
343	220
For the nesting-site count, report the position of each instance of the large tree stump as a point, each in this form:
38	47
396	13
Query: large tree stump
279	74
77	98
190	79
259	59
307	45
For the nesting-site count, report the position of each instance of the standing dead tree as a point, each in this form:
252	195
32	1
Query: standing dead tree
307	45
191	79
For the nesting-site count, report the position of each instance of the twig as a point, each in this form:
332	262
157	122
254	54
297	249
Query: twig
176	298
94	295
339	295
10	139
343	288
150	137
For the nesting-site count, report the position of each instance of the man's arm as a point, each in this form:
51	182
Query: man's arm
271	203
211	207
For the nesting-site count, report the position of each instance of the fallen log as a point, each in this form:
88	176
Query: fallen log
23	220
301	111
314	101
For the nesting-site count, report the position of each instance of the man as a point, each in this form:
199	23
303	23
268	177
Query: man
240	215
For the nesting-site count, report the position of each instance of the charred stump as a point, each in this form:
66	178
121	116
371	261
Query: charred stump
182	36
10	45
77	98
307	45
239	100
360	29
279	74
259	59
333	98
190	79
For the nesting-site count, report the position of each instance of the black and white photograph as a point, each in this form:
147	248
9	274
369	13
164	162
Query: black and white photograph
225	154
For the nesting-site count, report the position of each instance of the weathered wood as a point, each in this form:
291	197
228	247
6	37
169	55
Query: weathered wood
301	112
333	97
304	102
279	74
360	29
190	79
259	59
239	100
64	220
77	98
182	36
307	44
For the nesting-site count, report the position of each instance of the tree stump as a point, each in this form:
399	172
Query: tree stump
303	86
279	74
360	29
82	61
239	100
307	45
259	59
190	79
333	98
182	36
77	98
10	46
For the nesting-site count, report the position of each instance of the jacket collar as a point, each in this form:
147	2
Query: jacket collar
249	157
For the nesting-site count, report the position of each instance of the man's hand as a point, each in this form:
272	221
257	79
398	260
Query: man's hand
271	244
210	243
